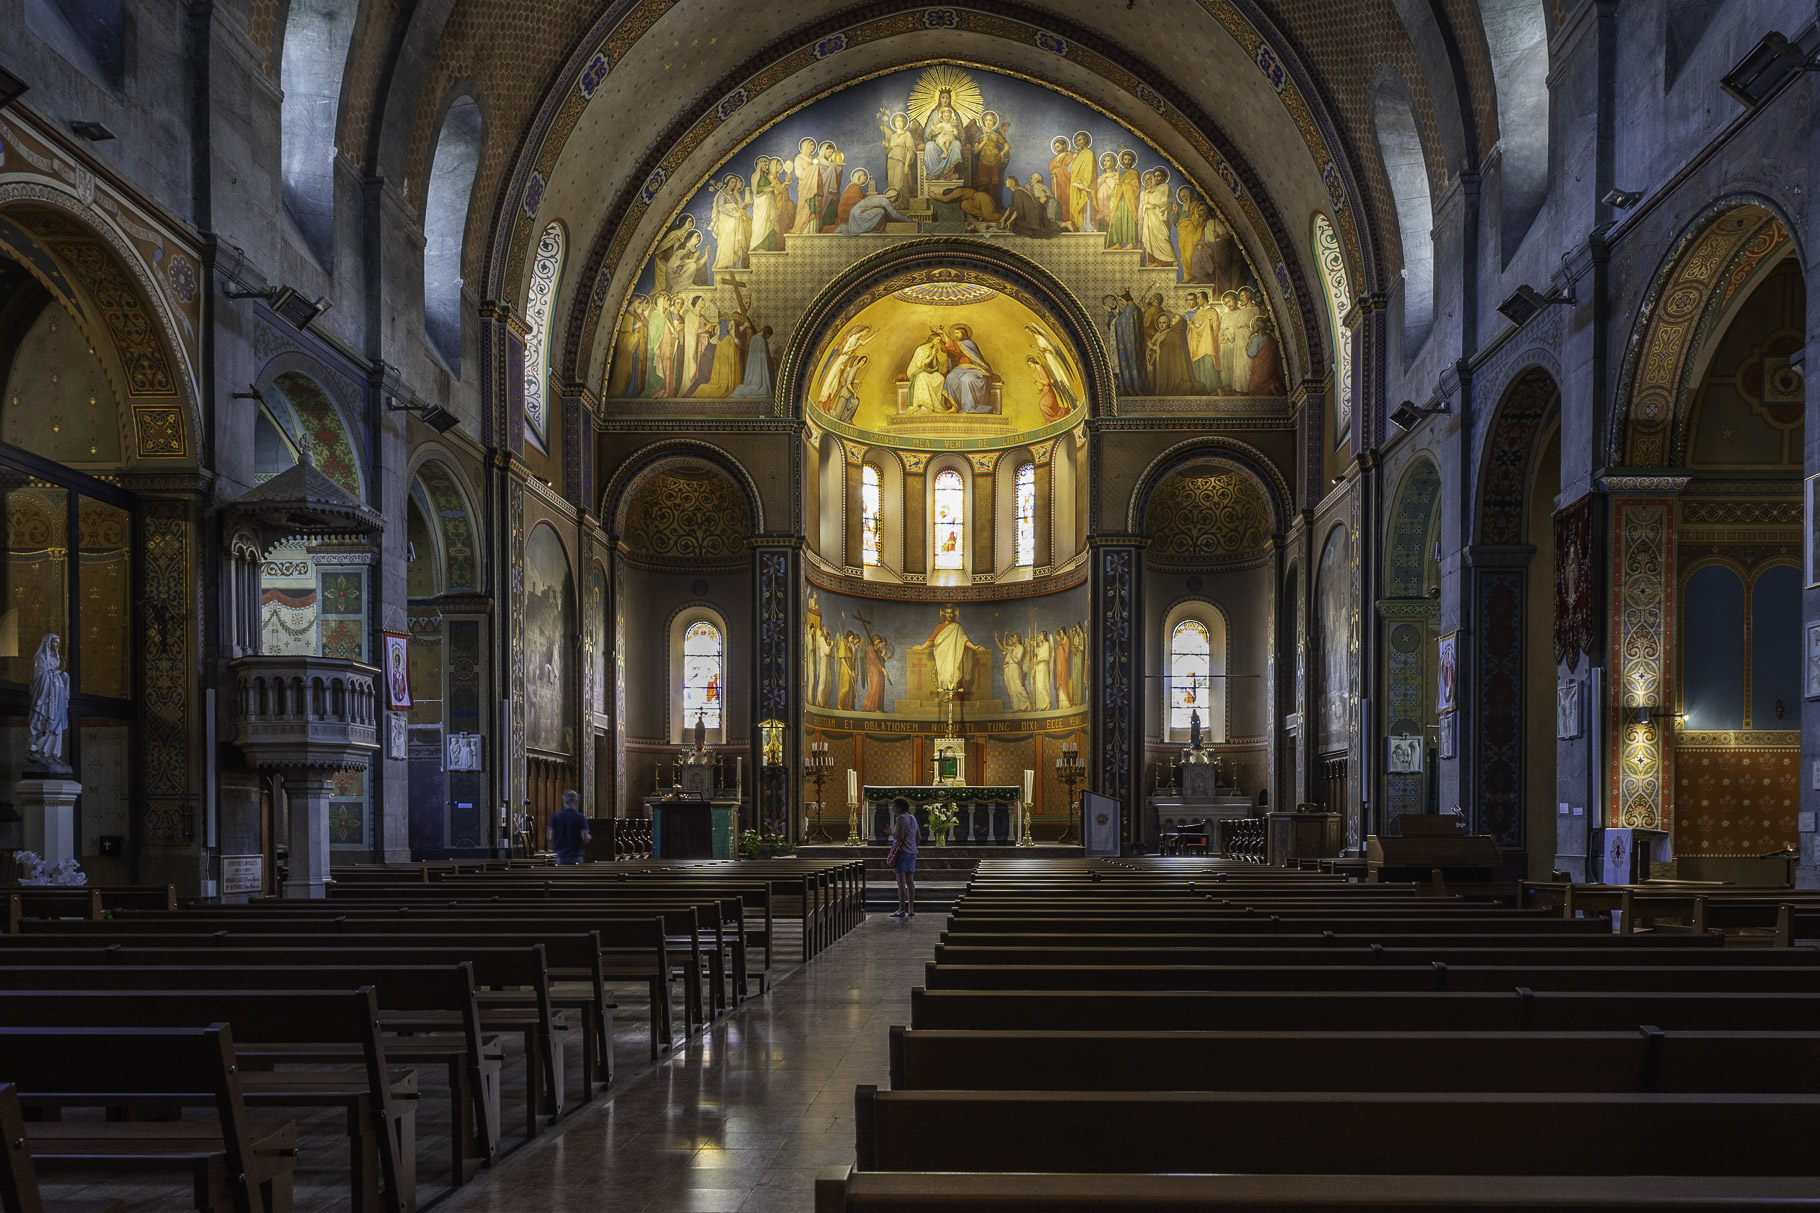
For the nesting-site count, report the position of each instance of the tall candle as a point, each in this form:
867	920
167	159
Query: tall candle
739	774
1029	784
852	786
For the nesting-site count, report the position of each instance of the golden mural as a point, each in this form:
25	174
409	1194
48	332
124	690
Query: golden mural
946	359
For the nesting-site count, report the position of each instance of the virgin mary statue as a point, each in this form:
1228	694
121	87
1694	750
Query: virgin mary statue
50	707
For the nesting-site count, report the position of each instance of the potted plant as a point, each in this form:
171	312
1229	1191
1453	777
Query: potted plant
941	823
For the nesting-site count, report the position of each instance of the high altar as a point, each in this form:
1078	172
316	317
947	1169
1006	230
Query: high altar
987	816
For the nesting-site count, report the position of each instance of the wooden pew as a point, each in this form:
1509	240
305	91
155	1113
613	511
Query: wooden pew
19	1178
1517	1010
845	1190
1335	978
448	1032
1631	951
232	1162
380	1117
1319	1132
1346	1060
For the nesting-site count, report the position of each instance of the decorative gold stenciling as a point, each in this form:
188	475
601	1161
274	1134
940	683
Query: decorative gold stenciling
1206	514
687	512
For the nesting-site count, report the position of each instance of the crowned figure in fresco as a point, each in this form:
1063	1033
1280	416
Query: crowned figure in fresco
943	148
969	379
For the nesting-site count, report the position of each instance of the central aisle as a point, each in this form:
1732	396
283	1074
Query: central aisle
745	1117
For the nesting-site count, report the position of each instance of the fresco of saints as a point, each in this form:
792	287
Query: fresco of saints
876	652
1266	365
1061	171
1012	649
781	183
630	354
991	152
1126	199
678	260
824	652
1127	326
1077	672
1156	215
1190	223
900	154
1046	400
860	188
1203	320
950	651
764	206
731	225
1081	181
926	377
1064	662
1105	187
1027	216
942	146
969	379
833	168
832	378
808	187
847	396
811	629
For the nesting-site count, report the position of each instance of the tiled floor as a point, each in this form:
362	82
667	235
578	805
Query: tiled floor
746	1115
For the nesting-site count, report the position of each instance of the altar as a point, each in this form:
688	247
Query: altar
985	816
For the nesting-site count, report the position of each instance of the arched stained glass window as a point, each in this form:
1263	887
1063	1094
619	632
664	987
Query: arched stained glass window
546	272
950	521
704	675
871	538
1339	301
1190	664
1026	515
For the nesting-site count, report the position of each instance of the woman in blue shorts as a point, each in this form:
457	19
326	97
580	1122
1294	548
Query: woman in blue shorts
903	839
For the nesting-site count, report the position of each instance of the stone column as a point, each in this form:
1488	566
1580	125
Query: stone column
307	797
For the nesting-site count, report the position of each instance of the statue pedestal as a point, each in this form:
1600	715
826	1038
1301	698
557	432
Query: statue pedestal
48	807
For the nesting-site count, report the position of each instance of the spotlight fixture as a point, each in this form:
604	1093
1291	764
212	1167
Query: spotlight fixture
433	415
287	304
1623	199
1408	414
1526	301
91	130
10	88
1764	67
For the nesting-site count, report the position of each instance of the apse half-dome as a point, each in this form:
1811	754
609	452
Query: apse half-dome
940	357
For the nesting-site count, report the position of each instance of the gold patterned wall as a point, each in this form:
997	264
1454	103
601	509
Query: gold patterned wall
687	514
1204	515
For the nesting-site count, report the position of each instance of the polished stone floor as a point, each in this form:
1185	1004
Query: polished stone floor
743	1118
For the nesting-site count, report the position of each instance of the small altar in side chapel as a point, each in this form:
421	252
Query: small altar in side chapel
1202	786
698	815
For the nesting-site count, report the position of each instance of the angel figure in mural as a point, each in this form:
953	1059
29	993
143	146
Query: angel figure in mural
990	151
900	152
1013	654
832	378
849	669
1064	662
950	651
1061	374
846	399
927	373
1042	671
1078	669
876	651
824	651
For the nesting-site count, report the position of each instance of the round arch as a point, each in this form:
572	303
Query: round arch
1412	518
1718	254
646	461
449	506
1229	452
316	402
1505	466
92	270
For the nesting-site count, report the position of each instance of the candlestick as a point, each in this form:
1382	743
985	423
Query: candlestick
852	785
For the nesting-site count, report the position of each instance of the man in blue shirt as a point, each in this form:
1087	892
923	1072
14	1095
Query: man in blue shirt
568	830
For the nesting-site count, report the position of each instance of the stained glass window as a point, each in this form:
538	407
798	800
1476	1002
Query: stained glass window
1190	663
950	521
704	669
871	540
1026	515
546	269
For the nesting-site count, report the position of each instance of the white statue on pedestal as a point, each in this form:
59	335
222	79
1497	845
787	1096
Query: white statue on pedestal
50	707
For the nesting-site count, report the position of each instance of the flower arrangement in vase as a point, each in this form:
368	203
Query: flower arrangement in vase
34	871
942	819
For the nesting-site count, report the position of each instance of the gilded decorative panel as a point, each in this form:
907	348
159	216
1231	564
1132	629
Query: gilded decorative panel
687	513
1642	566
1203	514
